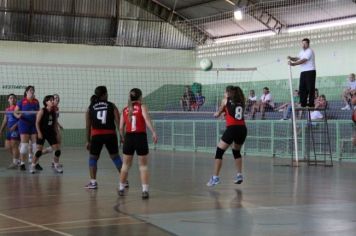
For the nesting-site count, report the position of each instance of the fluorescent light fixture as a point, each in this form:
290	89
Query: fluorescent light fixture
244	37
238	14
231	2
322	25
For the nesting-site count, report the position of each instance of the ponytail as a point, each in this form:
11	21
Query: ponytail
130	108
135	95
93	98
237	96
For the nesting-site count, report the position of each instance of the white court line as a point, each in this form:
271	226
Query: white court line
87	220
66	222
34	225
100	225
86	227
15	228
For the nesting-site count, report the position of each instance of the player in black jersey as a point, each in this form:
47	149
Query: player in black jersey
102	118
46	125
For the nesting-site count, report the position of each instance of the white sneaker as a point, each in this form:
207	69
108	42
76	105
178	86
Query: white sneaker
58	168
32	169
12	166
213	181
346	108
238	179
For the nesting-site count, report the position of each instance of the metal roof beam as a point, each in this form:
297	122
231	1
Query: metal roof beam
261	14
198	35
196	5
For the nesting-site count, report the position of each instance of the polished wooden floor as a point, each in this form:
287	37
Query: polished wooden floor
273	200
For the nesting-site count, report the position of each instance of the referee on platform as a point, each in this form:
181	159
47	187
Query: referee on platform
306	60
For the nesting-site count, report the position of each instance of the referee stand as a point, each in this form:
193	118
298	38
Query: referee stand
317	138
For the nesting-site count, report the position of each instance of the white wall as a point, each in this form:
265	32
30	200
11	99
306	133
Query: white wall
335	50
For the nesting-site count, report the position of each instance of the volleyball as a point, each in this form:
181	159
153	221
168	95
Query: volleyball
206	64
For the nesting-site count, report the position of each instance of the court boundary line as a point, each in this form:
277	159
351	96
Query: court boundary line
76	227
68	222
35	225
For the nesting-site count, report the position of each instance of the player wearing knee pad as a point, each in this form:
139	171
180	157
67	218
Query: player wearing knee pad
46	123
233	105
25	111
102	118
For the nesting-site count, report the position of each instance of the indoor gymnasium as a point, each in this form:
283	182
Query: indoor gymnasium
178	117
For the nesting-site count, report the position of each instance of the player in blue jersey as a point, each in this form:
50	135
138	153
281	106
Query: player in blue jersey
25	111
12	134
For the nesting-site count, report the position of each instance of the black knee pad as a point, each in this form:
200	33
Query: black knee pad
236	153
219	153
57	153
38	153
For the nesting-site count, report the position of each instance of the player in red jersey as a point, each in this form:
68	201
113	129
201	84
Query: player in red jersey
133	122
353	103
233	105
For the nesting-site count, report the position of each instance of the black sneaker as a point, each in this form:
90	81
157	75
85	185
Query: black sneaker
38	167
23	167
145	195
121	192
127	184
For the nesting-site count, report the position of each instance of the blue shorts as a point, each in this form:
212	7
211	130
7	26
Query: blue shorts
13	135
26	127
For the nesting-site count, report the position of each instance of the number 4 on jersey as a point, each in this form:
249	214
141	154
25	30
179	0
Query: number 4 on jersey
101	115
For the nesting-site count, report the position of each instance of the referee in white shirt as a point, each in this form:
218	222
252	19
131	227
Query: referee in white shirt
306	60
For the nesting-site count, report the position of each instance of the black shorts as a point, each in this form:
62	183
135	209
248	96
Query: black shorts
135	142
51	138
235	133
110	141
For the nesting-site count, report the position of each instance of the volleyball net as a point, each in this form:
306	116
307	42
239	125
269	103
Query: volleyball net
164	92
180	127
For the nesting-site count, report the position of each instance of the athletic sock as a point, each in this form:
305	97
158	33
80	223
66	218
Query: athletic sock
144	187
121	186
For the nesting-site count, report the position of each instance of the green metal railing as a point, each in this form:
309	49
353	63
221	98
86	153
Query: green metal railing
265	137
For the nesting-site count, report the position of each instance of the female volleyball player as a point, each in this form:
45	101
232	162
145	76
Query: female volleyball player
27	123
12	134
353	103
101	117
46	124
233	105
59	127
134	120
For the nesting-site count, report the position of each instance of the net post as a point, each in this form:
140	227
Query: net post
293	117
